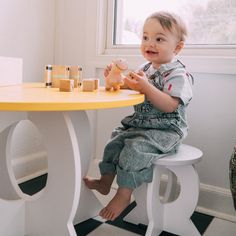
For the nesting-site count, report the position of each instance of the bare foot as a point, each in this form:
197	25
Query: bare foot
119	202
102	185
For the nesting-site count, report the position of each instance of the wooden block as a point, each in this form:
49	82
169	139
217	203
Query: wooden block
96	81
66	85
88	85
76	75
59	72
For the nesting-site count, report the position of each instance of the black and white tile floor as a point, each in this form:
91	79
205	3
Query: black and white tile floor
207	225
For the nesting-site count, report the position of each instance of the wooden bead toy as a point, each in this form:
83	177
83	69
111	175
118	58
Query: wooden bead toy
59	72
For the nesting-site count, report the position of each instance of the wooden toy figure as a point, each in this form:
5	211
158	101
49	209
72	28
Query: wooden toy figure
115	77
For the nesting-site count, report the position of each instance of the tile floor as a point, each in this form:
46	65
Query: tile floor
207	225
217	228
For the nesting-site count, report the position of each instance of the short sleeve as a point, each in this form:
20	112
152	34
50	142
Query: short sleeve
178	83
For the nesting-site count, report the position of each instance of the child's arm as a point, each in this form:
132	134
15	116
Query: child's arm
162	101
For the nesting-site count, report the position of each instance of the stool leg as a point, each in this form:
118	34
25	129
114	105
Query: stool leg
139	214
155	208
170	192
177	214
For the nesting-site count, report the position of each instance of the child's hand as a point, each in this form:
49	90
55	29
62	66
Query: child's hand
107	70
137	81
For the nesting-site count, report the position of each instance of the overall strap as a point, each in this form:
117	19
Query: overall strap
146	67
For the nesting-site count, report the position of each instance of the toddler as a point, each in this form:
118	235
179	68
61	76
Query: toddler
159	124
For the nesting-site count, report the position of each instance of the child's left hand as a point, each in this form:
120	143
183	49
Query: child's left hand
137	81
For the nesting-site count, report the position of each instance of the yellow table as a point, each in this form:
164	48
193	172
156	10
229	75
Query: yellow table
63	123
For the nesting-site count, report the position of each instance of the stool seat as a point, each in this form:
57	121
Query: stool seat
186	155
168	213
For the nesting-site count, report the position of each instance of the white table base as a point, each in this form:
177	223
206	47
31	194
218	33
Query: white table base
64	201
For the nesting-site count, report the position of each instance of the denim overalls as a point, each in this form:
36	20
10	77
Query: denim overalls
149	133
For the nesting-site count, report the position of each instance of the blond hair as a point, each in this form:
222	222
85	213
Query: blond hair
171	22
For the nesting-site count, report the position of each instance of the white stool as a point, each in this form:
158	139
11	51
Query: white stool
169	214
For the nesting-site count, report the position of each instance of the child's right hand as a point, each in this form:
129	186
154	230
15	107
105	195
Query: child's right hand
137	81
107	70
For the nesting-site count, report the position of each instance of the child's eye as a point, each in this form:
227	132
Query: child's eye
145	38
159	39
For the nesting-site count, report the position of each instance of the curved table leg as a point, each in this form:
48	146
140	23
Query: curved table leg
51	211
66	139
89	205
12	207
10	192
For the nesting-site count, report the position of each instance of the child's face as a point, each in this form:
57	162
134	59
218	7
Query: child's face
159	45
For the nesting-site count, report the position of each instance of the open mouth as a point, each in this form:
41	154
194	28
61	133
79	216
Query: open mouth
151	52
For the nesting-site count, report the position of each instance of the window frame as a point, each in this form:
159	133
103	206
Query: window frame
219	59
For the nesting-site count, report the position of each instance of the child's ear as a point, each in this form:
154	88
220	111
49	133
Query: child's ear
179	47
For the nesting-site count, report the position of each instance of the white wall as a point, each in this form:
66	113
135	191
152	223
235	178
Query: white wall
27	30
212	125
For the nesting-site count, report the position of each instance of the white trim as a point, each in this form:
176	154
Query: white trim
29	166
32	176
101	26
217	202
27	158
217	214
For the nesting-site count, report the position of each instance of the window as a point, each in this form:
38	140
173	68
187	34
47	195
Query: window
211	45
210	22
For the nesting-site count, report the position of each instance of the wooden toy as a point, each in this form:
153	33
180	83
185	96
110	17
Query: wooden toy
48	76
59	72
96	81
89	85
76	75
66	85
115	77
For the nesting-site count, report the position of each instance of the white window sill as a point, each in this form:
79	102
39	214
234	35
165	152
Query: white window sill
214	64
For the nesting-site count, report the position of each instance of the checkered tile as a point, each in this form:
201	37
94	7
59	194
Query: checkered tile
201	221
206	225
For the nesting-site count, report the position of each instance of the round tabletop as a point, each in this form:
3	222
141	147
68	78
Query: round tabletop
35	97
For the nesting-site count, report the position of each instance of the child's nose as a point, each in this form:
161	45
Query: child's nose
152	42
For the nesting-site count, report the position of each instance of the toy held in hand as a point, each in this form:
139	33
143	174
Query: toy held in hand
115	78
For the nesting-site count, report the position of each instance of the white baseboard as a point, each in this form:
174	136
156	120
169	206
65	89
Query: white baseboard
29	166
214	201
217	202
